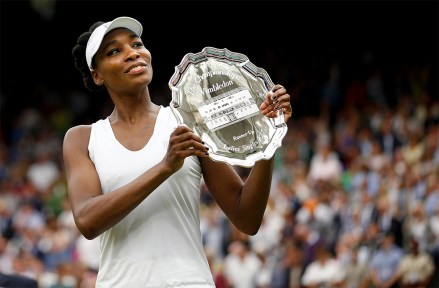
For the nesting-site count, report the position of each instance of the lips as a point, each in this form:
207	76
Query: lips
136	68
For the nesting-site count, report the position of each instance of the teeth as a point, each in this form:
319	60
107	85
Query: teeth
137	68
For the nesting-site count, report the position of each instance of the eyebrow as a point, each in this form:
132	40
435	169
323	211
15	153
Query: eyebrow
132	36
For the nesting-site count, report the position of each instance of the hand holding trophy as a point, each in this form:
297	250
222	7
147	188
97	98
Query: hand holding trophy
231	104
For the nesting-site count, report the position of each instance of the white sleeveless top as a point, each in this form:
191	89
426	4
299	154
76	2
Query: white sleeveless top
159	243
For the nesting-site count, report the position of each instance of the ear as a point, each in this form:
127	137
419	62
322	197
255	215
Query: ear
97	78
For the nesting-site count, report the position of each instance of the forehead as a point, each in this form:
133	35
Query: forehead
117	35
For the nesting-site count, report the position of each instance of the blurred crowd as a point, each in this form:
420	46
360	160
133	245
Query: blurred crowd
354	200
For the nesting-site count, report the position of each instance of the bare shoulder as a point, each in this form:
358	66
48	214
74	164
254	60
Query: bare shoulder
77	136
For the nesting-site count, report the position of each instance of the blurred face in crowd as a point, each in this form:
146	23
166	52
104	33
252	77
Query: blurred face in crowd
414	246
387	242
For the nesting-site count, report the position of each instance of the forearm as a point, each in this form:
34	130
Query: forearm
98	214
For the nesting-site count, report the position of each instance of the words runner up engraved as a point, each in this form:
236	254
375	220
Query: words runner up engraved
217	93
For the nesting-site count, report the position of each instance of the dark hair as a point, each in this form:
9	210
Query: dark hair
78	52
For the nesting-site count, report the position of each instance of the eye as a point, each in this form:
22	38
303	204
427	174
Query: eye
138	44
113	51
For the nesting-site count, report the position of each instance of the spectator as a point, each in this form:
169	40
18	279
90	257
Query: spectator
288	268
385	262
309	240
17	281
416	267
43	172
325	165
241	265
357	274
412	152
325	271
387	221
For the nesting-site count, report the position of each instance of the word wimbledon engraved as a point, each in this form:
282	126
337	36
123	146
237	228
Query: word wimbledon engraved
217	93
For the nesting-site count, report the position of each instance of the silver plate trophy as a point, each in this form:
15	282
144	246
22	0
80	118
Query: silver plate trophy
217	93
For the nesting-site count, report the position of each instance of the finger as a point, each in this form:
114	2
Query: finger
191	152
187	140
277	87
180	129
265	104
276	104
190	147
286	109
273	96
277	91
284	106
193	145
184	133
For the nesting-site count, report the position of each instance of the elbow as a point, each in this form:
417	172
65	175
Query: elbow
87	230
249	225
251	232
250	229
89	236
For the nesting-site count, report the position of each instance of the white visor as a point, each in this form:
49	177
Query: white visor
95	40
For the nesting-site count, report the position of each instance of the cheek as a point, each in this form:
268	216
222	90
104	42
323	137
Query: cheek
147	56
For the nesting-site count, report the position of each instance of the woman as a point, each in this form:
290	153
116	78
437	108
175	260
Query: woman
134	177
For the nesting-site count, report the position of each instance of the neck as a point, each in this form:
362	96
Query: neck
132	108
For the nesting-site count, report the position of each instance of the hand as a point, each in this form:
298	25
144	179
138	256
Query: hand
277	99
183	143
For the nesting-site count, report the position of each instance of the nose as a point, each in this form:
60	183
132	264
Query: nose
132	54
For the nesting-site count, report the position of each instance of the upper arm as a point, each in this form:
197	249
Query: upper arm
224	183
237	199
82	179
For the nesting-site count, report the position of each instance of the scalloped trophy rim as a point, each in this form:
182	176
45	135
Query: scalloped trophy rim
240	60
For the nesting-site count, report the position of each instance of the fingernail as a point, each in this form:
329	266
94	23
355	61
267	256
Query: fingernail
207	147
273	97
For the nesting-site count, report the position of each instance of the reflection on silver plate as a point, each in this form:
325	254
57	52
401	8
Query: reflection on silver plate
217	93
